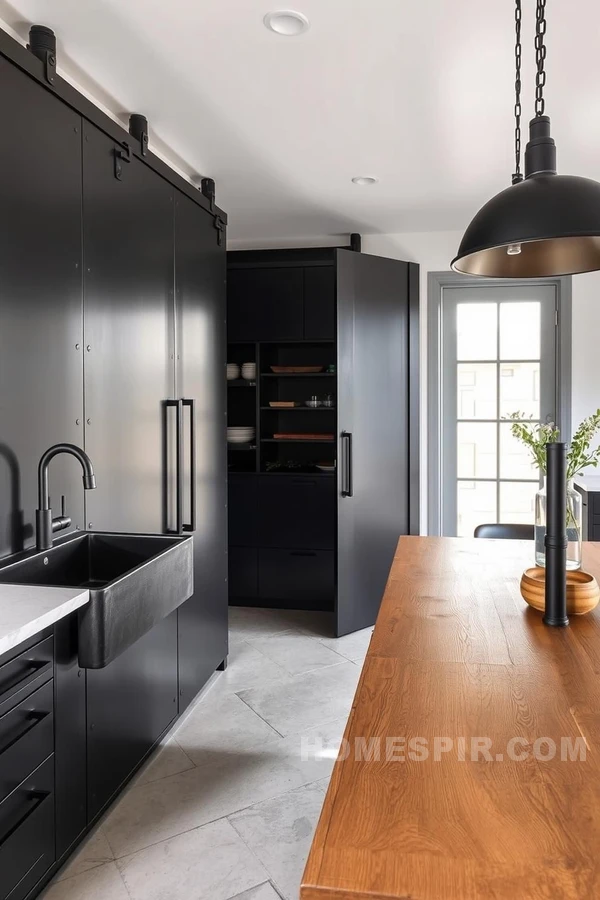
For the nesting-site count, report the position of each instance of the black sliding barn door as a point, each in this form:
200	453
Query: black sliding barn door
41	386
373	449
200	377
129	373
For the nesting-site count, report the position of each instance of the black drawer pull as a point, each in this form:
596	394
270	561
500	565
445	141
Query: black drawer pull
302	553
33	800
33	669
33	719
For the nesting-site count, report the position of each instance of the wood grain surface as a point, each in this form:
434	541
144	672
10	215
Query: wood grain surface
457	654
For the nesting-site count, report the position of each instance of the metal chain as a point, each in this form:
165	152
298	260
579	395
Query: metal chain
517	173
540	56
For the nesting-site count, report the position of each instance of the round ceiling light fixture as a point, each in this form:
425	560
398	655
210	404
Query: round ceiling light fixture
364	180
287	22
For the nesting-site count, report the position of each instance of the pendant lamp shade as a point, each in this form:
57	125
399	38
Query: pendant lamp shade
544	226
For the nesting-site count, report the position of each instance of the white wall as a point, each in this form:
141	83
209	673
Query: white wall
586	347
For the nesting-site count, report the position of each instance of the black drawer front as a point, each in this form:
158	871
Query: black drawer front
26	737
243	510
297	512
25	673
27	832
303	579
243	573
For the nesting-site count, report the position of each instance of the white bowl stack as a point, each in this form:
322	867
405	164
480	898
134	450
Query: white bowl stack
240	434
249	371
233	371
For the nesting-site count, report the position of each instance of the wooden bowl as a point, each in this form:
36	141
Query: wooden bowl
583	592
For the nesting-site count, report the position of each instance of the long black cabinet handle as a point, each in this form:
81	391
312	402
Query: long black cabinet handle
33	669
347	479
32	719
31	802
191	405
177	405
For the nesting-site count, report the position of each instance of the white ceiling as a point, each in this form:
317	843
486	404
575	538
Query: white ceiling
416	92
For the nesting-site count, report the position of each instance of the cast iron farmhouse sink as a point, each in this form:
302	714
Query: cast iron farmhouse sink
134	581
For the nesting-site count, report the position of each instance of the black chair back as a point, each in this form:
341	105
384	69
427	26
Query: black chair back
506	532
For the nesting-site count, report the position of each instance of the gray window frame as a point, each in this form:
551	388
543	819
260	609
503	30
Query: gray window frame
437	281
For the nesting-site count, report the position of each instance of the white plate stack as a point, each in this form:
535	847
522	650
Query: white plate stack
240	434
249	371
233	371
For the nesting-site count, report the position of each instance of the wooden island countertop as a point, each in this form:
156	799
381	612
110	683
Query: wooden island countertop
457	656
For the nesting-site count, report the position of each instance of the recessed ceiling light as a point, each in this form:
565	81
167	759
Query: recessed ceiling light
286	22
364	179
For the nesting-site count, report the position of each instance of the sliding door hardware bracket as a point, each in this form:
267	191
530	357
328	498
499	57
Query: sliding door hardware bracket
122	154
219	224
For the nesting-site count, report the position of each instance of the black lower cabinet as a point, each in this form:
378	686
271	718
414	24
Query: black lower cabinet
243	572
302	579
27	797
70	736
27	833
130	704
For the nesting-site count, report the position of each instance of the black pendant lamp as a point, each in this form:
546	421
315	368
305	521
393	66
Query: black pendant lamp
546	224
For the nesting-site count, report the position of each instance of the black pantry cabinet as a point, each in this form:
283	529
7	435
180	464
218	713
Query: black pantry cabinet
318	500
112	337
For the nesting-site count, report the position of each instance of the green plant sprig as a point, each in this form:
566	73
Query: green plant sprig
535	436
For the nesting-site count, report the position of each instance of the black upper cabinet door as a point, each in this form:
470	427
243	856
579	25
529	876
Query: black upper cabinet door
129	370
319	303
200	376
373	391
41	373
265	304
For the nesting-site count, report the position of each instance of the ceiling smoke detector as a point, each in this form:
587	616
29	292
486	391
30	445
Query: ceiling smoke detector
286	22
364	179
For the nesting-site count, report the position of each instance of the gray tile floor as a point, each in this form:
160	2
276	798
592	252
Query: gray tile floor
226	807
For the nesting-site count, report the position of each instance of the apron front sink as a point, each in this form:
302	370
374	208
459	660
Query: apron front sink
134	580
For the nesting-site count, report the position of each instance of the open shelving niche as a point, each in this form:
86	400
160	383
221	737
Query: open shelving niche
248	404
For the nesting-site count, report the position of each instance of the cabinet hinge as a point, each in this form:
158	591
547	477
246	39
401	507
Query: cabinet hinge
122	155
219	224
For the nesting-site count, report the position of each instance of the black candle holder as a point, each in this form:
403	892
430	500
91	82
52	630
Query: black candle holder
556	535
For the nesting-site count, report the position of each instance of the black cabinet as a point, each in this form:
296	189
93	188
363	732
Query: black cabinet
319	303
330	487
589	488
200	270
41	346
70	736
130	704
266	304
27	799
301	579
243	573
297	511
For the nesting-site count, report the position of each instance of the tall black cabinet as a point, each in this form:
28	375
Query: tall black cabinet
112	337
318	500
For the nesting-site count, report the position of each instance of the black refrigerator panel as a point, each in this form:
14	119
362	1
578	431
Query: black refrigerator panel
41	389
373	425
129	369
200	313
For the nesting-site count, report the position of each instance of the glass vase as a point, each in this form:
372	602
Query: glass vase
573	526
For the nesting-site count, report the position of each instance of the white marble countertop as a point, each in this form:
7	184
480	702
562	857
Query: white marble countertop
27	609
589	482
